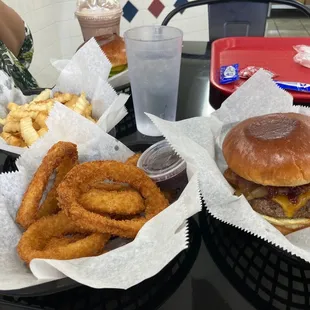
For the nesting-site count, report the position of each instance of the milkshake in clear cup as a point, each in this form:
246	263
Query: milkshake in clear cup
98	17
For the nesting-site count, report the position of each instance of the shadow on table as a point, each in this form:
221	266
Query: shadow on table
201	301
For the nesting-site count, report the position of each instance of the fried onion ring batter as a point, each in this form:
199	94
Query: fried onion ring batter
61	152
123	202
133	160
50	204
56	242
34	242
91	172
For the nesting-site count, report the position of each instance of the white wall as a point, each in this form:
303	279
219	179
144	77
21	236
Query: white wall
193	22
57	33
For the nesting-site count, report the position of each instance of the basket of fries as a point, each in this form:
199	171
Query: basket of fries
82	89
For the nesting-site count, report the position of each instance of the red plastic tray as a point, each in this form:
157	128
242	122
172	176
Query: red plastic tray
275	54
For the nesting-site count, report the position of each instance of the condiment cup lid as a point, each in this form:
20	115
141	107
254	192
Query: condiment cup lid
160	162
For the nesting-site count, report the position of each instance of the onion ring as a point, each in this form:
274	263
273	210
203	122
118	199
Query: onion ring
109	186
56	242
60	152
123	202
81	175
50	204
34	241
133	160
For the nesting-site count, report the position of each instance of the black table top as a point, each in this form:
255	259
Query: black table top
204	286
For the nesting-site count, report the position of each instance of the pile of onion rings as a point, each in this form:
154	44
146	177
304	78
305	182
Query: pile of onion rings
87	205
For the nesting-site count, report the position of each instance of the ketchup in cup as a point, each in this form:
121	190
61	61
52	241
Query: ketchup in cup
165	168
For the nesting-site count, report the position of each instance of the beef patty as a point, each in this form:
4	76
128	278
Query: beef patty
271	208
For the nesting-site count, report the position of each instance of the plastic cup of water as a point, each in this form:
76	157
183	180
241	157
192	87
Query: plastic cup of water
154	59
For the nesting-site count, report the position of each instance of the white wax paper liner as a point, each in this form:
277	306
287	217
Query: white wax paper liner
158	242
117	80
87	71
82	72
199	141
92	142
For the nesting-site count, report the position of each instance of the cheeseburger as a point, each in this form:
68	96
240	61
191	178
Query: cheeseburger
268	160
114	48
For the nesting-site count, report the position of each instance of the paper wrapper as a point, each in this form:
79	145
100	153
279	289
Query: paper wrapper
87	71
116	80
199	142
157	243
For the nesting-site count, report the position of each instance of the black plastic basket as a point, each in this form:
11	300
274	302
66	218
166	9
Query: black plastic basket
148	295
267	276
68	294
127	125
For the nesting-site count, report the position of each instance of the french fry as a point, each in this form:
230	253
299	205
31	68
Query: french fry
42	131
63	98
40	119
72	102
13	140
28	133
81	104
44	95
12	106
11	127
26	123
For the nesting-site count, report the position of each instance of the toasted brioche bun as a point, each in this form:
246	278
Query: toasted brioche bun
271	149
287	226
115	50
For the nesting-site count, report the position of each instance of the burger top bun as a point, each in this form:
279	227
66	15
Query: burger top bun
115	51
271	149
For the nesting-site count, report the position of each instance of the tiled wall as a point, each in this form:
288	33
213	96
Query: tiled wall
57	33
193	22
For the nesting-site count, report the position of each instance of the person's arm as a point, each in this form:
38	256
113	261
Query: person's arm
12	29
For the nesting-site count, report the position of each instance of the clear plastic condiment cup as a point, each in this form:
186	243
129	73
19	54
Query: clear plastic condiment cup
165	168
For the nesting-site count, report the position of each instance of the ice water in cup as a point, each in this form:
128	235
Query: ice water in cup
154	58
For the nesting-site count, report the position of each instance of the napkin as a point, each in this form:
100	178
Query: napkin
199	142
87	71
157	243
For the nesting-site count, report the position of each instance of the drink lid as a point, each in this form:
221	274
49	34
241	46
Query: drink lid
160	162
87	7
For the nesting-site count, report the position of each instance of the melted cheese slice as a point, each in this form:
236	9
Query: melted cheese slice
291	208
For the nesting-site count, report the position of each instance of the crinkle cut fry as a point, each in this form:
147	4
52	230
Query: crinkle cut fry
27	213
34	241
81	175
28	133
